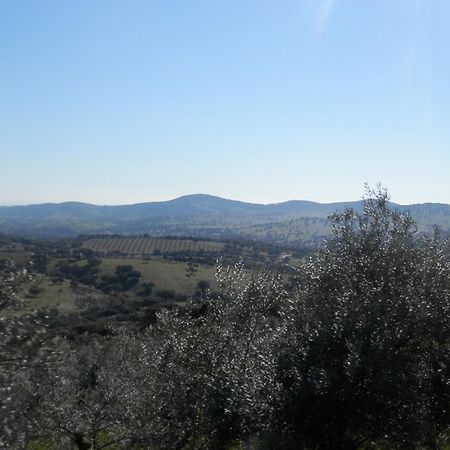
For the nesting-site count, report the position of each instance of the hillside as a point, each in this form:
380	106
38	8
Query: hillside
198	215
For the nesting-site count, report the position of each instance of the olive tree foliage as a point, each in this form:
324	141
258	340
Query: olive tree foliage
366	354
202	376
88	398
22	345
11	330
209	375
11	278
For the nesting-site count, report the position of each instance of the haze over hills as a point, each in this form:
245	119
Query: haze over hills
188	205
197	215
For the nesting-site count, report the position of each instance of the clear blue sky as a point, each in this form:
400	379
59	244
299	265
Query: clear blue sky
129	101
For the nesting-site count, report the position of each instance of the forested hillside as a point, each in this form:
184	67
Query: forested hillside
300	224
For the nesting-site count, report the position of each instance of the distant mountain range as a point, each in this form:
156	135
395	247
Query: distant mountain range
200	215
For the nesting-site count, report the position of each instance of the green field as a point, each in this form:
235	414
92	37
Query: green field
165	275
52	294
148	245
181	278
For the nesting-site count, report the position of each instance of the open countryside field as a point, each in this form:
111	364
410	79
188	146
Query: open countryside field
165	275
46	291
43	292
149	245
180	277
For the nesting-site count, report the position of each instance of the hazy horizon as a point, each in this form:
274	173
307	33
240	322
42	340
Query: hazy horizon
225	198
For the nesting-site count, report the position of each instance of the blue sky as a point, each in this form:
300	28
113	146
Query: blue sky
128	101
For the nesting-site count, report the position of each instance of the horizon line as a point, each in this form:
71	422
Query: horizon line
12	205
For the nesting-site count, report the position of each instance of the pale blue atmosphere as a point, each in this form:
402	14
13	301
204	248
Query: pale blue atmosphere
114	102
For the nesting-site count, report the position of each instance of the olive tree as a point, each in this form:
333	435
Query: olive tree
88	398
209	370
22	345
365	356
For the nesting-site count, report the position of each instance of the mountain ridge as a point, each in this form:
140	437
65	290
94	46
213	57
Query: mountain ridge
200	215
208	196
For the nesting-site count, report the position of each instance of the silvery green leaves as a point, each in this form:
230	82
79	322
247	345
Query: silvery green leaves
366	358
11	280
211	367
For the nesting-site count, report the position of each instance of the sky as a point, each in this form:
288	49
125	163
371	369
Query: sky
119	102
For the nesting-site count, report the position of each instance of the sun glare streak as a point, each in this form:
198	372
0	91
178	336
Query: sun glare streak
324	15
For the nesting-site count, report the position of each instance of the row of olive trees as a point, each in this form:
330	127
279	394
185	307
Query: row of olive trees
357	354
